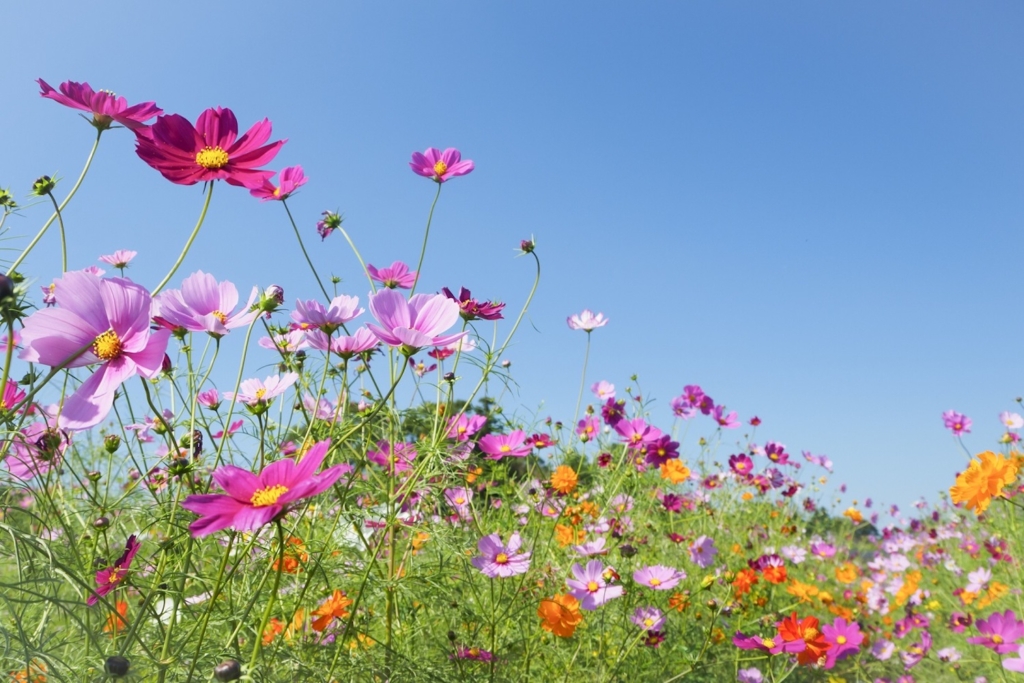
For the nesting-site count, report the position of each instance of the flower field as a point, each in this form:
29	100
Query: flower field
365	508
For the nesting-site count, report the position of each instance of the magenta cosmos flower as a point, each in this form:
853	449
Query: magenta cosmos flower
586	320
290	180
396	275
844	639
659	577
110	578
471	309
438	165
590	587
511	445
211	150
396	457
999	632
499	560
413	324
957	423
110	319
105	107
204	305
252	500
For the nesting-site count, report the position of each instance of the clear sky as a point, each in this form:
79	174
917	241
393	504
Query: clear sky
813	210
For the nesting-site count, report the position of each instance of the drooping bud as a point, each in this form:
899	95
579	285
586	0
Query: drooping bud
330	222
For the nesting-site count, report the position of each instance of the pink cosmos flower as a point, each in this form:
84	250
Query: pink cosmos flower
586	320
648	618
212	150
105	106
361	341
1011	420
320	409
254	393
956	422
438	165
730	421
589	585
252	500
396	275
395	457
659	577
1015	663
843	638
471	309
999	632
120	258
703	551
499	560
588	428
232	428
819	460
290	180
463	427
511	445
204	305
603	390
312	314
110	578
34	450
413	324
328	223
209	398
595	547
11	397
110	318
290	342
459	498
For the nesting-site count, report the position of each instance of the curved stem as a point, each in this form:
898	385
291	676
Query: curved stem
304	252
426	235
373	287
188	245
8	355
583	382
74	189
63	238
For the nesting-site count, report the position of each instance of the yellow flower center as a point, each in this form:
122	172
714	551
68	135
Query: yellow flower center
592	586
268	496
260	393
277	191
655	581
440	168
461	430
460	501
768	642
502	558
212	157
997	639
222	317
474	652
810	634
107	346
841	639
506	448
648	622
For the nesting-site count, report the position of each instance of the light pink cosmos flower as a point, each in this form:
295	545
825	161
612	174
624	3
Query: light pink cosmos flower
287	343
459	498
594	547
204	305
438	165
120	258
94	270
586	320
1011	420
648	618
291	179
312	314
589	585
396	275
703	551
511	445
105	106
958	423
110	578
497	560
413	324
211	150
362	340
34	450
254	393
252	500
320	409
603	390
110	319
659	577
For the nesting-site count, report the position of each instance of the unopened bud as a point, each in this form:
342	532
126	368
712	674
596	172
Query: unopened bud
165	365
6	287
101	523
43	185
111	442
228	670
7	199
117	666
449	377
271	299
93	476
528	246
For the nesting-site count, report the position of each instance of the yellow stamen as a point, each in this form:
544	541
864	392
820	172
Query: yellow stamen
212	157
505	448
223	318
841	639
502	558
268	496
592	586
440	168
655	581
260	393
107	346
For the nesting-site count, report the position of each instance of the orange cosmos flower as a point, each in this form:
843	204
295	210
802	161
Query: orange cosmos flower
566	535
564	479
294	556
560	615
334	607
774	574
846	573
854	514
34	673
984	480
675	471
807	630
115	622
744	581
273	628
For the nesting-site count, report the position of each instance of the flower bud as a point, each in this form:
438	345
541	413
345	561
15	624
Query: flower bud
707	582
43	185
228	670
449	377
6	287
330	222
165	365
271	299
116	666
179	466
527	246
7	199
111	442
101	523
93	476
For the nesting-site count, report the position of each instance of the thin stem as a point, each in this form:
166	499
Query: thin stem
583	382
78	183
63	238
426	235
373	286
188	245
273	598
304	252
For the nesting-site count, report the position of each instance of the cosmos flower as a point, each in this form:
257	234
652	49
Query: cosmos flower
362	340
106	107
956	422
256	394
844	639
108	579
560	615
983	480
34	450
335	607
413	324
438	165
659	577
290	180
703	551
397	275
589	585
313	315
252	500
120	258
499	560
511	445
999	632
110	319
462	427
471	309
648	618
204	305
210	150
586	320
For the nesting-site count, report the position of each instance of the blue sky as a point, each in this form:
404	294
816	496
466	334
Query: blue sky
813	210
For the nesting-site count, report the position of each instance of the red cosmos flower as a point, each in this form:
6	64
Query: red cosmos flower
110	578
105	106
807	630
211	150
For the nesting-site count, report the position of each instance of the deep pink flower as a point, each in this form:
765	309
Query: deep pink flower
328	223
586	320
956	422
511	445
111	319
212	150
413	324
499	560
290	180
773	645
105	106
252	500
844	639
397	275
588	428
393	458
209	398
34	450
637	433
659	577
232	428
729	421
110	578
204	305
120	258
589	585
438	165
471	309
463	427
661	450
741	464
999	632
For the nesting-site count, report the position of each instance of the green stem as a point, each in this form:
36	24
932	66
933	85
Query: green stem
373	286
426	235
304	252
583	382
273	598
78	183
63	238
188	245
